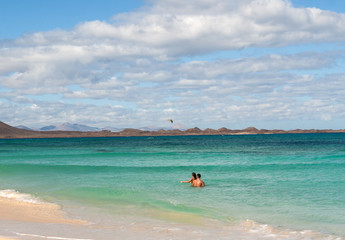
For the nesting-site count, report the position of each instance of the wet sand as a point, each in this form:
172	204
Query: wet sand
17	213
11	209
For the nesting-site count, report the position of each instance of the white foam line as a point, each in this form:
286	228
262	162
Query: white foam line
23	197
50	237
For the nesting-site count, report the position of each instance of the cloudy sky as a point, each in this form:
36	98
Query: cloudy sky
203	63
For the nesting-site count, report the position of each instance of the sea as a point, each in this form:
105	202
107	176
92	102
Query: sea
275	186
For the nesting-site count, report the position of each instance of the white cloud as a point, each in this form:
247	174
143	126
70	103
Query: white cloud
137	62
203	26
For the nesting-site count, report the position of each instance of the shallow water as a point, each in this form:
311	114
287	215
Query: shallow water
292	182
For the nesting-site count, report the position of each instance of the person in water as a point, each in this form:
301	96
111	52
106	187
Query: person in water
191	180
198	182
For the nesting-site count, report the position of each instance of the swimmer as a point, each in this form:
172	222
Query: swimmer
198	182
190	180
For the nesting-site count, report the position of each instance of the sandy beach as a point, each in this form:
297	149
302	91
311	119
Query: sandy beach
25	212
21	220
11	209
25	220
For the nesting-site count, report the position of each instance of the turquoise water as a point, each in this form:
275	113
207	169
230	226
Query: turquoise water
292	181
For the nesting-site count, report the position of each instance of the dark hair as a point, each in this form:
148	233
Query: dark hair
199	175
194	175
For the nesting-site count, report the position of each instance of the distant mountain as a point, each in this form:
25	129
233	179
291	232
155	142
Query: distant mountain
112	129
48	128
151	128
70	127
178	126
23	127
85	128
172	127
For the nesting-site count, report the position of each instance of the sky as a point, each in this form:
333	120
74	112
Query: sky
269	64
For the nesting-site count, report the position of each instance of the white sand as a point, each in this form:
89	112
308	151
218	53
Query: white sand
11	209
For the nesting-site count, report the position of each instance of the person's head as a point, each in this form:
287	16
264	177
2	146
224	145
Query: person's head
194	175
198	175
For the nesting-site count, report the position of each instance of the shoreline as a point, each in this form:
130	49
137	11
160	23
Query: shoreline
49	221
19	215
16	210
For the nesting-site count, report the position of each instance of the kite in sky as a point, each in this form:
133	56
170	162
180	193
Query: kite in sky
171	120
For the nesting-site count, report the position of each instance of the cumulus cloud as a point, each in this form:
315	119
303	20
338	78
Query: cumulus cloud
203	26
158	61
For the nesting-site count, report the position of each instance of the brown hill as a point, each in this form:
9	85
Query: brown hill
193	131
7	131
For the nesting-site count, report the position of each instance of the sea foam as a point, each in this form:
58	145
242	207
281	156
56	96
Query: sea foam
22	197
266	231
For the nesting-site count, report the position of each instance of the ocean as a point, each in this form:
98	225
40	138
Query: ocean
289	186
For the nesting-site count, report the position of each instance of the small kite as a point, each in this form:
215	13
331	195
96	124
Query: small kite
170	120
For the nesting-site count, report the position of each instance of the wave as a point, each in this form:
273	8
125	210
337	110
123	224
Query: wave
47	237
22	197
265	231
7	169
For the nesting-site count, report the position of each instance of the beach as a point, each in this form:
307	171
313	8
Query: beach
22	220
33	212
23	212
257	187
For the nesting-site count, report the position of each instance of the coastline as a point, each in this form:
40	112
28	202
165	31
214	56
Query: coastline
9	132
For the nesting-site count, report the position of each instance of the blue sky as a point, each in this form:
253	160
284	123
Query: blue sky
263	63
18	17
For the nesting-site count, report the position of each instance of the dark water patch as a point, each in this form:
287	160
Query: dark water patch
104	151
233	168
